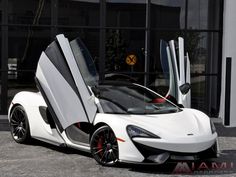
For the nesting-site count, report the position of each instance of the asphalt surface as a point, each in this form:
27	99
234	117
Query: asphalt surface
40	159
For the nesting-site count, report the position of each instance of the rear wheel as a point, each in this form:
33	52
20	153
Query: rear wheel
19	125
104	146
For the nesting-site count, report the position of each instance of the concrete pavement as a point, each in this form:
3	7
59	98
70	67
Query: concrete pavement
43	160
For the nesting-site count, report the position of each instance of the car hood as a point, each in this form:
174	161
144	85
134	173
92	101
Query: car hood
182	124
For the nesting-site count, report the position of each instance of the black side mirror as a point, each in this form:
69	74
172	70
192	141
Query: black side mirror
185	88
180	105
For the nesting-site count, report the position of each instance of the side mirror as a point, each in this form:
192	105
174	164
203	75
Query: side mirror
180	105
185	88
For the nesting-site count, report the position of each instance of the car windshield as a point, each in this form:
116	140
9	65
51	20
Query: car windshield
133	99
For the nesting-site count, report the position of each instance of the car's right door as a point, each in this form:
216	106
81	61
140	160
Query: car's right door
176	68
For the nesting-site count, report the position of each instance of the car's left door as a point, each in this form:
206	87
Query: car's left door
62	84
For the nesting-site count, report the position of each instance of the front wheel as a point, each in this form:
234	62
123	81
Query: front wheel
19	125
104	146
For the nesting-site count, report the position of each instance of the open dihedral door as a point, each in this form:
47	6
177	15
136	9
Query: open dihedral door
176	68
62	85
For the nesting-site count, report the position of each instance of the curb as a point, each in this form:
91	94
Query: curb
4	125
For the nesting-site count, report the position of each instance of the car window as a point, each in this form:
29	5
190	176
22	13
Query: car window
85	62
133	100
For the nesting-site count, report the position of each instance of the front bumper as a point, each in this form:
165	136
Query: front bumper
158	151
159	156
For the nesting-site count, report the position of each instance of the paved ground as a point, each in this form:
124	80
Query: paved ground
42	160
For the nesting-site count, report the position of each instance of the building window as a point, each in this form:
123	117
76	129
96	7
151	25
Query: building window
204	14
78	13
126	13
33	12
168	14
28	26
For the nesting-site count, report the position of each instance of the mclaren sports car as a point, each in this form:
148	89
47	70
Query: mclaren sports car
116	120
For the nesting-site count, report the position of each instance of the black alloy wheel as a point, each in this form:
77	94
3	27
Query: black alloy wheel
19	125
104	146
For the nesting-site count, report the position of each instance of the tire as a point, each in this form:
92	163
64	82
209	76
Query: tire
104	146
19	125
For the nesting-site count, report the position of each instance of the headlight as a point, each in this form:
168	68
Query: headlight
213	128
134	131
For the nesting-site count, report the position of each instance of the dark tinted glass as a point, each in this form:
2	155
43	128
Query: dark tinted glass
0	46
126	13
90	38
26	44
1	73
157	79
85	62
134	100
78	13
29	12
168	14
25	47
204	14
124	45
203	51
1	7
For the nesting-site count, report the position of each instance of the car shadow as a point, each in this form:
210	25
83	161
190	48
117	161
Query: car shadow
61	149
225	164
4	125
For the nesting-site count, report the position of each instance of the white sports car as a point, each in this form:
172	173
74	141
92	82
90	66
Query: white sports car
117	121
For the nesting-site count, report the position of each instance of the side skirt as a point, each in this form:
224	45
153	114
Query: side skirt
50	142
79	146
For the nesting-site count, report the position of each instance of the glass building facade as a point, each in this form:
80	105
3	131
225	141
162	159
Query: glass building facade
112	30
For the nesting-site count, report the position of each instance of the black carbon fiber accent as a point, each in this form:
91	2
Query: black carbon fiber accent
147	151
56	56
54	116
47	117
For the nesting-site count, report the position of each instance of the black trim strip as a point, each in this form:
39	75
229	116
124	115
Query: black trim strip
42	110
176	77
227	91
50	108
185	67
56	56
46	116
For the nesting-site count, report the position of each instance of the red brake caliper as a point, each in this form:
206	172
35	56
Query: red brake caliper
99	145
